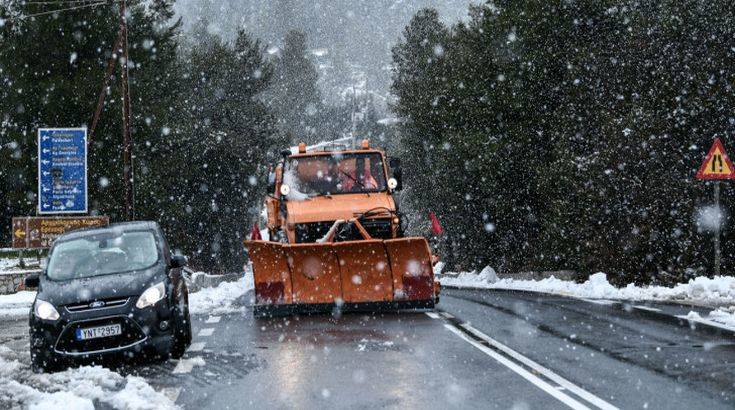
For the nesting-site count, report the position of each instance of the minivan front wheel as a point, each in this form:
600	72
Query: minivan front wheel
182	332
43	363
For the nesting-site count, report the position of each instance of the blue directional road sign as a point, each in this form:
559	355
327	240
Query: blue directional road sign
62	170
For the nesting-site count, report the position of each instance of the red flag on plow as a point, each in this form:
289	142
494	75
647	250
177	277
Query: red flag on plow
255	233
436	227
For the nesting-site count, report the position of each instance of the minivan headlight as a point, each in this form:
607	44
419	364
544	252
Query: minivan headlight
151	296
44	310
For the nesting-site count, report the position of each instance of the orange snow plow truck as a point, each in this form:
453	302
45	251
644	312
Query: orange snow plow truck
335	238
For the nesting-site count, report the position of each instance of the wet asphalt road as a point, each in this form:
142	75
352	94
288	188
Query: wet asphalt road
479	349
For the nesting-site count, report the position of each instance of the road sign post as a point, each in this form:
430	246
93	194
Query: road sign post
716	167
717	228
62	170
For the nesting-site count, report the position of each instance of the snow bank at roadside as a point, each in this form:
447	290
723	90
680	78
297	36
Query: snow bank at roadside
16	304
717	291
724	315
81	388
220	299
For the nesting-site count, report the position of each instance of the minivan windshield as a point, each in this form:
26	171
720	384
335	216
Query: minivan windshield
102	254
337	173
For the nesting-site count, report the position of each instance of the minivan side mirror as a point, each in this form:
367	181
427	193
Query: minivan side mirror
178	261
32	281
395	166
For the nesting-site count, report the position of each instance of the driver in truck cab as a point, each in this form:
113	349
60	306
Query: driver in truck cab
350	180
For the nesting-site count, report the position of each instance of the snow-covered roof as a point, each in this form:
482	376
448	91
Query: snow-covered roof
344	143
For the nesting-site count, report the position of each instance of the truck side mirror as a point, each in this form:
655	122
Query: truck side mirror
395	166
178	261
271	189
32	281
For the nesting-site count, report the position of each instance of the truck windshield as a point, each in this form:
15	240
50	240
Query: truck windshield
102	254
334	174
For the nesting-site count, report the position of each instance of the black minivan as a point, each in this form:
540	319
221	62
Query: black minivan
115	290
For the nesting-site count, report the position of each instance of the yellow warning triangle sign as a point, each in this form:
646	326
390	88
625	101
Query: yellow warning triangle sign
717	164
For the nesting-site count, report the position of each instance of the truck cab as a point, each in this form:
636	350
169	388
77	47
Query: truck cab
314	188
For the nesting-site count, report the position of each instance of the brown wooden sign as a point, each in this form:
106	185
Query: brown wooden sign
40	232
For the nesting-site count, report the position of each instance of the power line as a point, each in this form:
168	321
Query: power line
41	3
27	16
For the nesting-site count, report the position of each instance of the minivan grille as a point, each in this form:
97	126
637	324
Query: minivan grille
93	305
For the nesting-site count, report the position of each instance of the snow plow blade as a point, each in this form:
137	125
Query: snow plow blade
364	275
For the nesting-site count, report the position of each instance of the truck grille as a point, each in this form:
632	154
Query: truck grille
312	232
378	228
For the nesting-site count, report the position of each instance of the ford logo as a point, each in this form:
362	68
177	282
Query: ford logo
97	304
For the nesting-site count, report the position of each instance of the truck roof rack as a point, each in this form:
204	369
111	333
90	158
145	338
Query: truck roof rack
335	145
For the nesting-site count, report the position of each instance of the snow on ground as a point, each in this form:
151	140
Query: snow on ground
79	388
16	304
90	387
717	291
220	299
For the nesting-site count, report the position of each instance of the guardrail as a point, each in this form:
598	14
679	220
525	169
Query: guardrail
26	258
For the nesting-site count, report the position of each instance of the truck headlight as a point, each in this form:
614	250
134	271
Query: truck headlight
392	183
44	310
285	189
151	296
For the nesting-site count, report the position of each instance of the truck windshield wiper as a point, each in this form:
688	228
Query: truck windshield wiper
353	178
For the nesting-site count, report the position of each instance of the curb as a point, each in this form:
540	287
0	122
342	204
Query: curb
639	308
703	324
568	275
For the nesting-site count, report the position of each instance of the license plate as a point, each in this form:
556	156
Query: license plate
98	332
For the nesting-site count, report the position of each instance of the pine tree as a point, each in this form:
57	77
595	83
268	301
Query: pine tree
571	131
52	68
223	149
294	97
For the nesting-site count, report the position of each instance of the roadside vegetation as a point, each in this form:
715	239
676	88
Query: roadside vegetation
566	135
544	135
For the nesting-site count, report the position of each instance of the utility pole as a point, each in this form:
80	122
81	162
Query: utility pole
128	174
716	167
717	229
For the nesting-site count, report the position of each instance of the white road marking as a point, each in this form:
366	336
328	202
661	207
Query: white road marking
707	322
196	347
599	301
206	332
432	315
171	393
563	383
648	308
551	390
184	366
213	319
447	315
